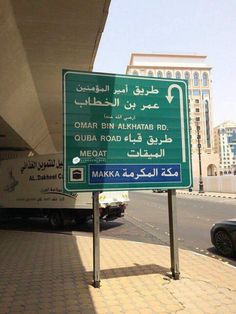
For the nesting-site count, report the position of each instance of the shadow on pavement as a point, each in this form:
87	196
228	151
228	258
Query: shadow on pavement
104	225
137	270
42	225
43	272
215	254
52	273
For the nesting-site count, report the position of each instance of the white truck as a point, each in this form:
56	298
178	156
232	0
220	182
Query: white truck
33	187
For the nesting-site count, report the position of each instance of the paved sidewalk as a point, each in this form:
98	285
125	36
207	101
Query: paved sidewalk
52	273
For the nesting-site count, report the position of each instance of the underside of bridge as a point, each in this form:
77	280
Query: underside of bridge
38	40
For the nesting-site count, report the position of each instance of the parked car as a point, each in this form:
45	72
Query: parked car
223	237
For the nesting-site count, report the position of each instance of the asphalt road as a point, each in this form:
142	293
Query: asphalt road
195	216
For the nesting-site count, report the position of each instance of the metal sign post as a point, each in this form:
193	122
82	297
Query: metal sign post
125	132
96	241
174	254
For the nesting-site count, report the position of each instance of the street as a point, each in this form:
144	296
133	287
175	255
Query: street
195	216
146	220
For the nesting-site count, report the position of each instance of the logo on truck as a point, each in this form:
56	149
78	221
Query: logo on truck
12	182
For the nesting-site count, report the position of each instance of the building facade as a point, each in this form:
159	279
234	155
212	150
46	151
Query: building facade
194	69
225	146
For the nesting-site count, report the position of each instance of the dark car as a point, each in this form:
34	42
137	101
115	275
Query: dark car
223	237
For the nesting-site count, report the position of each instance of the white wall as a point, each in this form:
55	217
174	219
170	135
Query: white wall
225	184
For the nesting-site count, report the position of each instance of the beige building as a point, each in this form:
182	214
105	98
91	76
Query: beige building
194	69
225	145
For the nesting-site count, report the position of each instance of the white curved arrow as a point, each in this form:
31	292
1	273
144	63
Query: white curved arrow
170	98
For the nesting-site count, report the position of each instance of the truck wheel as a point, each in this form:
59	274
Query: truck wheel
25	218
56	220
81	220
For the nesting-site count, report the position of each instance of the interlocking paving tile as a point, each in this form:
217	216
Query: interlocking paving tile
52	273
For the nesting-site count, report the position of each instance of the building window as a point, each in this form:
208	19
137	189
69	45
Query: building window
197	110
208	133
195	79
205	92
205	79
150	73
168	74
159	74
135	72
178	75
196	92
186	75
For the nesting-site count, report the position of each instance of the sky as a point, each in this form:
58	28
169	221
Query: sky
204	27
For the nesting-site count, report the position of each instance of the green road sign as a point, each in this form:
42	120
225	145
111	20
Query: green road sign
125	132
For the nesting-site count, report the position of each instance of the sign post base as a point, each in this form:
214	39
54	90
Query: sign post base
174	254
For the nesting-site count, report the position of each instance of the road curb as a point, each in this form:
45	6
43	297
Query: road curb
209	195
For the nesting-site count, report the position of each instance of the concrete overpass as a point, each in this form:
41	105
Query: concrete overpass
39	39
